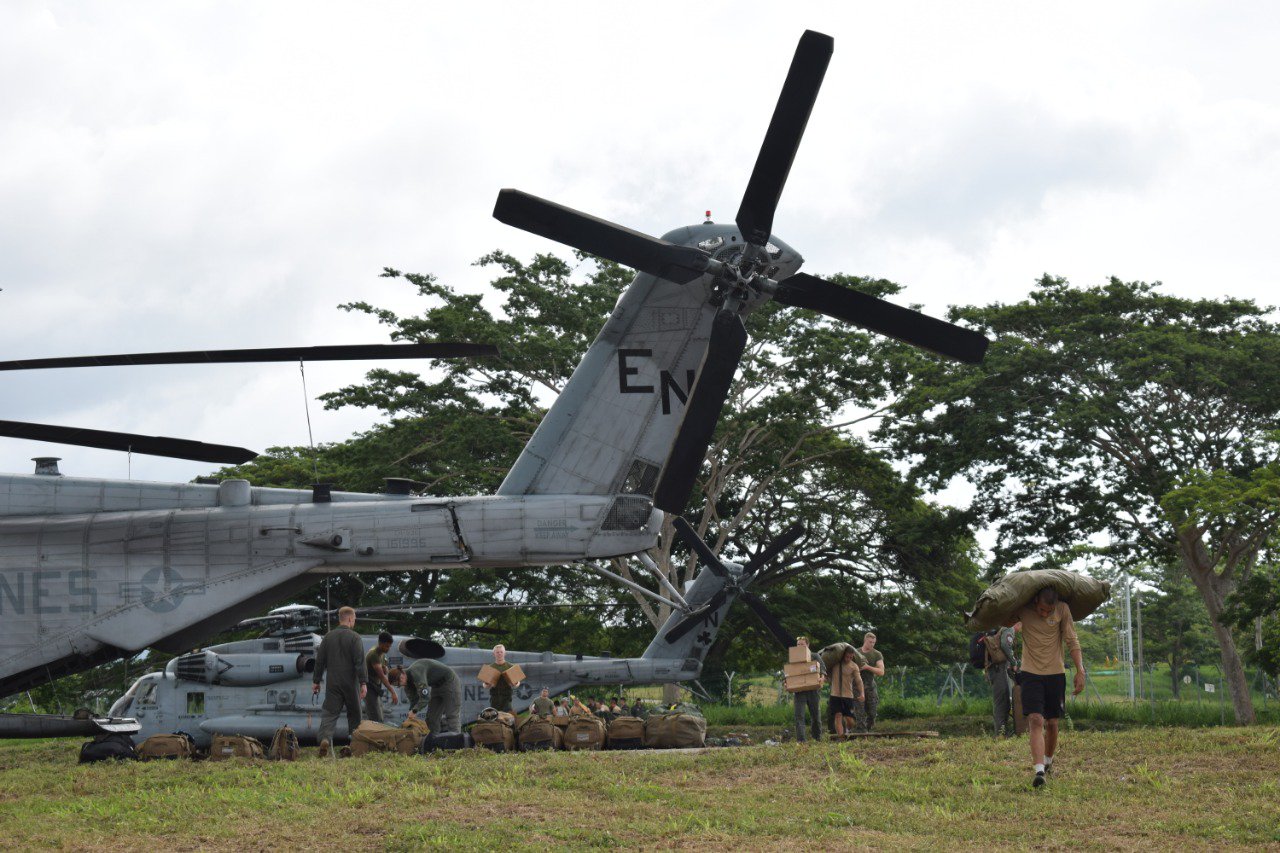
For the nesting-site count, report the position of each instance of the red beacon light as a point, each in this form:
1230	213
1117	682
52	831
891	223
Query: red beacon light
708	219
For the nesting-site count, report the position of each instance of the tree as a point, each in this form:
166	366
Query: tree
1113	411
1175	626
1254	609
787	450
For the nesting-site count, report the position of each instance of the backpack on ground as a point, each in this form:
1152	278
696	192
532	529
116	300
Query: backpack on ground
585	731
284	745
995	654
445	742
379	737
495	731
675	730
978	651
539	732
105	747
626	733
224	747
176	745
418	726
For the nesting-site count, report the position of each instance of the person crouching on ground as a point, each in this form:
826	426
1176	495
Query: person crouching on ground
1046	628
846	689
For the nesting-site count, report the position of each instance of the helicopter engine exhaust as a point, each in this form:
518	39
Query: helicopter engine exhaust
242	669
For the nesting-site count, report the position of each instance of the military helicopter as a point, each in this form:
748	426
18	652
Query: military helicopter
252	687
92	570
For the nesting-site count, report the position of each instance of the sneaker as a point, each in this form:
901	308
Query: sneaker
1048	770
324	749
1038	782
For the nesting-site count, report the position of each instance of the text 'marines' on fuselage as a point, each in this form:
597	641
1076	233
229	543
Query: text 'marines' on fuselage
91	570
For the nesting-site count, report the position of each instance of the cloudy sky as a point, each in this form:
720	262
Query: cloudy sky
189	175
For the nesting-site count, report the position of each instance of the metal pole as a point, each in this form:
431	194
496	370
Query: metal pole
648	563
1141	685
1128	634
635	586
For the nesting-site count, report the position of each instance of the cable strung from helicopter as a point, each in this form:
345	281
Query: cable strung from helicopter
92	570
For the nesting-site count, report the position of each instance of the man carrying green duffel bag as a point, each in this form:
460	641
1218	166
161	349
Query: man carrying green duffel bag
176	745
675	729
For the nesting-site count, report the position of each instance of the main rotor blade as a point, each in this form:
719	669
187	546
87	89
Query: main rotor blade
679	264
337	352
782	140
151	445
789	537
844	303
702	412
781	634
691	538
694	619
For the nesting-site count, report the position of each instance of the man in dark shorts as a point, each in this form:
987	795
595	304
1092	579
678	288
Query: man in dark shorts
1047	628
846	689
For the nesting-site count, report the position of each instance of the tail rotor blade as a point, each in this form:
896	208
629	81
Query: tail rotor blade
151	445
878	315
782	140
706	401
341	352
771	622
679	264
788	538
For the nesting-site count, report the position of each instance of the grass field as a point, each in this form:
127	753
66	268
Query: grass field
1145	788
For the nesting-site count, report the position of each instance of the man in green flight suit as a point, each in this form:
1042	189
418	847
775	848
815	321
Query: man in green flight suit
375	664
341	654
445	701
500	693
870	670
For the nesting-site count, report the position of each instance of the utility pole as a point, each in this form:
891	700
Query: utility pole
1141	685
1127	645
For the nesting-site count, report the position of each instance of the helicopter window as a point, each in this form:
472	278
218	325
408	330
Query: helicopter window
148	696
195	704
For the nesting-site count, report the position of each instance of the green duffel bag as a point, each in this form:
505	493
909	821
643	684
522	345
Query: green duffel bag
177	745
1011	593
539	732
834	653
370	736
585	731
626	733
225	747
675	730
496	735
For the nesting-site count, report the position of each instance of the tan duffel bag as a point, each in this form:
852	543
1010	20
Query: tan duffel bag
418	726
539	732
177	745
496	735
379	737
626	733
585	731
224	747
284	745
675	730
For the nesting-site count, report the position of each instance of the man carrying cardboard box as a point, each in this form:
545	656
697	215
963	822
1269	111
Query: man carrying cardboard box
501	678
800	675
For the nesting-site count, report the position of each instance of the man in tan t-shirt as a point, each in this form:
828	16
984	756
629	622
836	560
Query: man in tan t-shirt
1047	628
846	688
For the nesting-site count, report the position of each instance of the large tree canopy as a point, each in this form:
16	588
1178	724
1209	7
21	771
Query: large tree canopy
1115	411
876	554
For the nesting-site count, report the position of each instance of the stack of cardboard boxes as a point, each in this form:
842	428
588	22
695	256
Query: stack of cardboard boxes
801	672
490	674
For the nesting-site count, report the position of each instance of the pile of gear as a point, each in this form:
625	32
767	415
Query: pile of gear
677	727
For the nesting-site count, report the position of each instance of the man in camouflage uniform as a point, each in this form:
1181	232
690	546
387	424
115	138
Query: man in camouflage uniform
375	664
444	705
341	655
873	667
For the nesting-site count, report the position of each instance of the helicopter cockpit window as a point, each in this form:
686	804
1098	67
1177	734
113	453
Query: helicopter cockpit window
195	704
148	696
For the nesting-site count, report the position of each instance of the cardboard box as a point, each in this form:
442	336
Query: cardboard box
798	654
796	683
790	669
489	674
514	675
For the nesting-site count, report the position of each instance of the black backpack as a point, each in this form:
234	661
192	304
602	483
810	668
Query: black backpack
977	651
115	745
